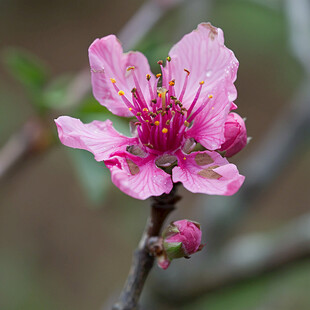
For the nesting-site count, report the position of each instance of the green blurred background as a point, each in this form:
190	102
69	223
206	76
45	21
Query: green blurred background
66	233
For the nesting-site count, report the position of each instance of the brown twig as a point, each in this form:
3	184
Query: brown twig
142	261
35	137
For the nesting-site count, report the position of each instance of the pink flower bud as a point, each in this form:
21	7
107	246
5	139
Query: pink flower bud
235	135
180	239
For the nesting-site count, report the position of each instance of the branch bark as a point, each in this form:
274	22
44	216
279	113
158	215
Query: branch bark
142	260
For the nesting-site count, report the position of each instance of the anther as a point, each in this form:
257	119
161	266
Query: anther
173	98
130	109
201	82
121	93
171	83
186	123
134	90
160	62
158	75
148	77
137	124
130	68
168	58
156	123
210	96
154	100
145	110
113	80
168	122
165	130
187	71
139	113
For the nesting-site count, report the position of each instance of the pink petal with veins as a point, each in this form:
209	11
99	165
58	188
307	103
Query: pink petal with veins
99	138
107	61
208	173
204	54
138	177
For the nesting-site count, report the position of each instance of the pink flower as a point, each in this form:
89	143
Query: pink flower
235	135
180	239
191	106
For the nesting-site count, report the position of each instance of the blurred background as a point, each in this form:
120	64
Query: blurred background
67	234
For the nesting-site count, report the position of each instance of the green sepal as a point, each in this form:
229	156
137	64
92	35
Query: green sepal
174	250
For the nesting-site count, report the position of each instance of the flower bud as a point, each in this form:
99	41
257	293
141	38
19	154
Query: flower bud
235	135
180	239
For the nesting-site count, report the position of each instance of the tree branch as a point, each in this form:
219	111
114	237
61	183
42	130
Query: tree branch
142	261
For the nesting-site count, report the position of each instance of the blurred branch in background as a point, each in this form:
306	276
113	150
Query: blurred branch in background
244	258
24	144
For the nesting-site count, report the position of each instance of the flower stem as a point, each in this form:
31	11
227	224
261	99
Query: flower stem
142	261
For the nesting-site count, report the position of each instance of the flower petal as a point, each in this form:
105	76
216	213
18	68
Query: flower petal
208	127
107	61
208	173
99	138
204	54
138	177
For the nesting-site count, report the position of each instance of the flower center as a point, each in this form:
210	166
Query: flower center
162	122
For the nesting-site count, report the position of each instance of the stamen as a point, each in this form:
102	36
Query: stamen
113	80
184	85
172	83
162	94
168	58
165	130
148	77
210	96
158	75
121	93
186	123
200	108
145	110
130	68
156	123
195	99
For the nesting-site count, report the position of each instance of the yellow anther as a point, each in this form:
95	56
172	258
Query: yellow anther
159	95
187	71
147	121
148	77
130	109
158	75
210	96
130	68
165	130
121	93
113	80
168	58
171	83
156	123
184	158
201	82
186	123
